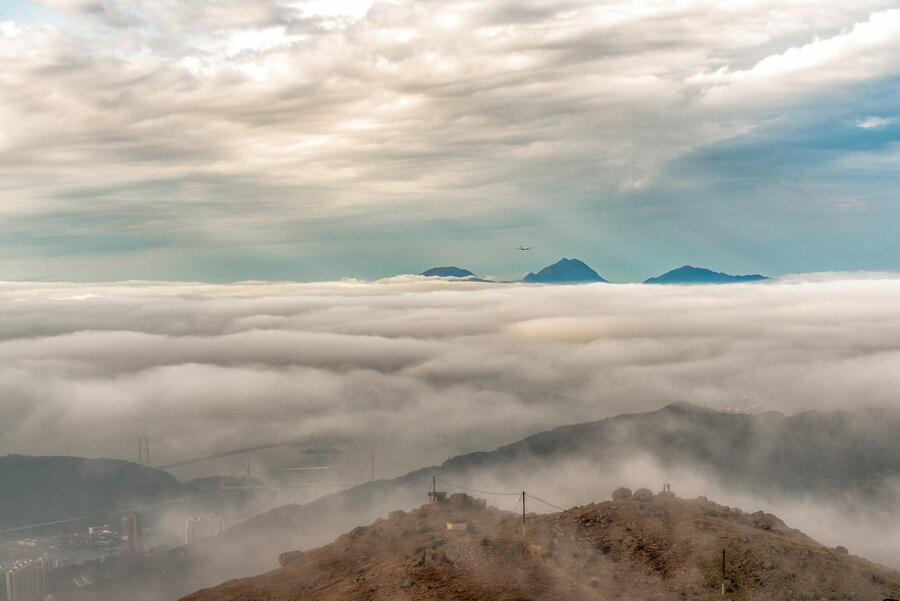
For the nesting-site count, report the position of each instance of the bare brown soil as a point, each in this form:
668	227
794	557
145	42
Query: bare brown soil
661	548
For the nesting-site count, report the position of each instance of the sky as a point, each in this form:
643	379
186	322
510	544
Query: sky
227	140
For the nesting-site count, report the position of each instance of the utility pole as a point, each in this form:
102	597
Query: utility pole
144	450
523	513
247	488
723	572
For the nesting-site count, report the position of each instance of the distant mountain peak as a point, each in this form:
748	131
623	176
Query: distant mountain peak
686	407
688	274
564	271
450	271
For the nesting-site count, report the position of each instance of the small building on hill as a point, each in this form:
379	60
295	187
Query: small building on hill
458	526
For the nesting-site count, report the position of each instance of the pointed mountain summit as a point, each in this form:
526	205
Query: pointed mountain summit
449	272
565	271
698	275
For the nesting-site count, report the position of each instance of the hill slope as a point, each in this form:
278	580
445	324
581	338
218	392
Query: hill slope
811	453
42	489
35	490
847	460
658	548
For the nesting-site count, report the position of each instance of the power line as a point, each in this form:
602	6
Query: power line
169	502
532	497
481	492
224	454
222	490
521	496
172	445
8	530
402	460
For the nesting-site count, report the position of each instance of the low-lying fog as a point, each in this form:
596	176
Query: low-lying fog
867	527
421	369
85	369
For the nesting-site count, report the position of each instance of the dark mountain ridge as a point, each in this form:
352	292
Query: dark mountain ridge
813	452
36	490
448	272
564	271
687	274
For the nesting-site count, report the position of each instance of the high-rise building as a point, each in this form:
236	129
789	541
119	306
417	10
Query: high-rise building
131	528
199	528
25	580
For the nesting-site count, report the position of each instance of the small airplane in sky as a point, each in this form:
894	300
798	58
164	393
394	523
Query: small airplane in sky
524	248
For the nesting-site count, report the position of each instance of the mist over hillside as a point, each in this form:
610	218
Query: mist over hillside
635	547
839	464
44	489
833	474
845	455
38	490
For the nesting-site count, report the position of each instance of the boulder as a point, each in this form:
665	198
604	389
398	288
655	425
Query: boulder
461	500
643	494
621	494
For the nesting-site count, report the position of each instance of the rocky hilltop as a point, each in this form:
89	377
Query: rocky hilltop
637	546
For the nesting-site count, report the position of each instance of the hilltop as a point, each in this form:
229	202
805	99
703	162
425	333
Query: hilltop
451	272
640	546
699	275
564	271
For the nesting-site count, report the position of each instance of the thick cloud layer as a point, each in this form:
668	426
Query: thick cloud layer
86	369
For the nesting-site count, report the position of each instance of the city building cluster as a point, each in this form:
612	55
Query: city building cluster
198	528
25	580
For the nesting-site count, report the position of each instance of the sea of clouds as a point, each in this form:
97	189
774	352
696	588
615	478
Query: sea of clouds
85	369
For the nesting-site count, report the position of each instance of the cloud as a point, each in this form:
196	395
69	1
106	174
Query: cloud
186	128
864	52
873	122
